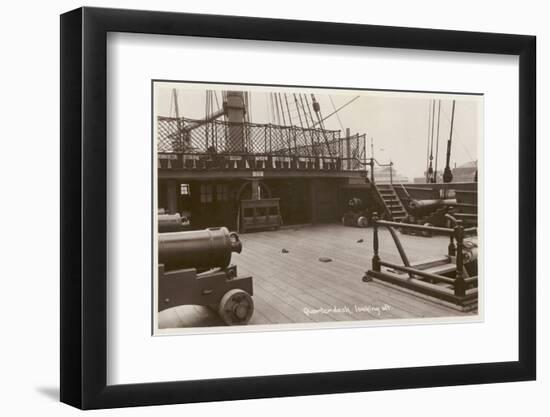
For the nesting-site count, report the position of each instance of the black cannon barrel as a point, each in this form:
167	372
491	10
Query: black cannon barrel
430	204
170	223
355	202
200	249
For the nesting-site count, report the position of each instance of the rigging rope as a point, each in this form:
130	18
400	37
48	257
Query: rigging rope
290	124
457	136
272	108
319	115
249	106
277	109
217	103
299	115
336	111
437	140
430	168
282	108
313	147
309	111
288	110
428	141
447	173
337	115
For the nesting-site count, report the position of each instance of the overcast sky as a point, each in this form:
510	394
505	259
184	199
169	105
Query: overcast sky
398	122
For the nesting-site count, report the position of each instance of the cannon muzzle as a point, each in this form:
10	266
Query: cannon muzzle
170	223
199	249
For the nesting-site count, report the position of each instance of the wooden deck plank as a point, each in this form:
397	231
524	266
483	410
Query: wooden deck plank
291	285
287	283
284	300
307	280
355	281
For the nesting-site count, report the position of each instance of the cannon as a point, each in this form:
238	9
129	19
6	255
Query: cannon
427	212
430	205
194	267
357	214
172	223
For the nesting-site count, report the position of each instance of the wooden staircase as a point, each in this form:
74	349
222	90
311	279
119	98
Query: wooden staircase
391	201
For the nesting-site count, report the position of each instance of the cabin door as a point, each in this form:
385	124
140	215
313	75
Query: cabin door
325	201
214	206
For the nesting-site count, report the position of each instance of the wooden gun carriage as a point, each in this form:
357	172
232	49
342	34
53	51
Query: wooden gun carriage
194	267
357	214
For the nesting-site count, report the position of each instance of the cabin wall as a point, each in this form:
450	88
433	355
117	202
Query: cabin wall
215	202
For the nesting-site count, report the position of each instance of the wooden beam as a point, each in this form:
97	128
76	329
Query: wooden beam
247	174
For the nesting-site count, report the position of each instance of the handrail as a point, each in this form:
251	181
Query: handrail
411	226
371	163
381	165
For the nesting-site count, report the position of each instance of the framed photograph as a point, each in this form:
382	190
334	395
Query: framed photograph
257	208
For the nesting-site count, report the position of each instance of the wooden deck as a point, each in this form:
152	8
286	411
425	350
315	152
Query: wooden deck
296	287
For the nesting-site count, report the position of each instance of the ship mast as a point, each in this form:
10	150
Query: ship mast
430	172
447	174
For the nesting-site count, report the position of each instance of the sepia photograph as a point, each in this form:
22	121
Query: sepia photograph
297	207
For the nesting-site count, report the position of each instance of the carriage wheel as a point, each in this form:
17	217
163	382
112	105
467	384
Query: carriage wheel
236	307
362	221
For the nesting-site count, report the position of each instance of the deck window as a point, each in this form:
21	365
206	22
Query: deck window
184	189
206	193
222	192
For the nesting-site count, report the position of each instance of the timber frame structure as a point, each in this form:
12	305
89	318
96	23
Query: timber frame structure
444	278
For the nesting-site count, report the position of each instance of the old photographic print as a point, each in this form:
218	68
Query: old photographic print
281	207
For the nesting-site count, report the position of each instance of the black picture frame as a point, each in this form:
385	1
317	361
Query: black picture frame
84	207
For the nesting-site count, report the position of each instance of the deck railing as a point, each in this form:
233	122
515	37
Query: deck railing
192	144
459	282
256	162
